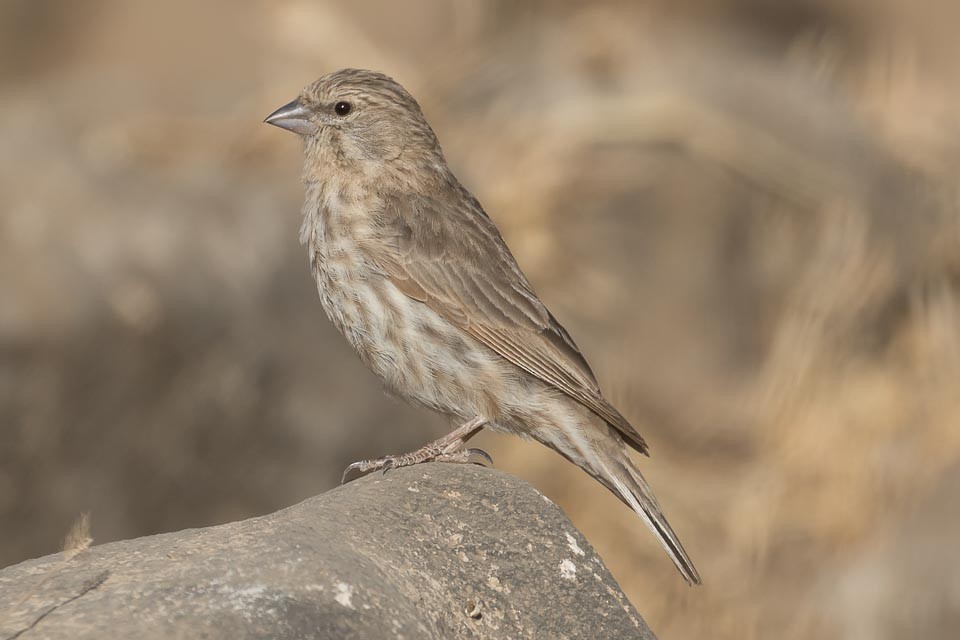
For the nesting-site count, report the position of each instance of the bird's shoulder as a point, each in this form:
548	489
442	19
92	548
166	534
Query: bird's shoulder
448	247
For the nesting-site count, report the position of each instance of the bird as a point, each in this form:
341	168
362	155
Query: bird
417	277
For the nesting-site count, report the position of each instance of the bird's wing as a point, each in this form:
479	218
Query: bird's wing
449	255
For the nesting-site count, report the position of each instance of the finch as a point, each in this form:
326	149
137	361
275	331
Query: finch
416	276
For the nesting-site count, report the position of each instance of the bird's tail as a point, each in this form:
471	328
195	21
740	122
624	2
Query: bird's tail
612	466
631	487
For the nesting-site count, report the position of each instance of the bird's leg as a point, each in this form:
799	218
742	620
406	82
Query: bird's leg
445	449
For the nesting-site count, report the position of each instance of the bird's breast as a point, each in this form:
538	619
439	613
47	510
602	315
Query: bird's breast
417	353
360	301
344	272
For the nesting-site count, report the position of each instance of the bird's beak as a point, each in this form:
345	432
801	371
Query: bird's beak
292	116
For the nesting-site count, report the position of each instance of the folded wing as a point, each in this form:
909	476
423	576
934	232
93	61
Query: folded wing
450	256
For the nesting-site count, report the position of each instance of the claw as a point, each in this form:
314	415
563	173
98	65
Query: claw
346	472
480	453
388	465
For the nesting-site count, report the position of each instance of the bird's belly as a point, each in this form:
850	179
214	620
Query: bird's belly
419	355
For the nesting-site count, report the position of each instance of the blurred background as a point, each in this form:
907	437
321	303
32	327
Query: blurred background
747	213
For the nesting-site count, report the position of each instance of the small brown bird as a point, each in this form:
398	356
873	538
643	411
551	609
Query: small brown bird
417	277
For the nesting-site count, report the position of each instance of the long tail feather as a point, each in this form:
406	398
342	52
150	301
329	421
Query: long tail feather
632	488
601	451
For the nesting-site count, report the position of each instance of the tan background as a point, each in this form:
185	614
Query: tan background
745	211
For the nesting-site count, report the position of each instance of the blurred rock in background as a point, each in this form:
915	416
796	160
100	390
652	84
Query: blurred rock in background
746	212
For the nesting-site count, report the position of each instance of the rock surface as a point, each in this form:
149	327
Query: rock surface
433	551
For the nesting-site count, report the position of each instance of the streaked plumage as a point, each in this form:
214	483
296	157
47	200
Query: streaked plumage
417	277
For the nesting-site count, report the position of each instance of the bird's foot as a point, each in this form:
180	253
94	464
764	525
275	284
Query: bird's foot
425	454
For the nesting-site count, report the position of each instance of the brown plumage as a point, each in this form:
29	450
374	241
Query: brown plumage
417	277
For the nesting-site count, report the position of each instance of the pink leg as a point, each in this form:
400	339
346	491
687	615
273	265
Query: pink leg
445	449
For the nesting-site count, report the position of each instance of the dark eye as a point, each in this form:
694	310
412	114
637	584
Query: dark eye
342	108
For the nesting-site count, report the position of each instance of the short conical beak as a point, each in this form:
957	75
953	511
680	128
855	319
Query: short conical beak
292	116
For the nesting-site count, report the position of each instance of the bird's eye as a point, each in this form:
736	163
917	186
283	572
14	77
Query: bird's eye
342	108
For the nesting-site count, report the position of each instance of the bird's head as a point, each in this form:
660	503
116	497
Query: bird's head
353	116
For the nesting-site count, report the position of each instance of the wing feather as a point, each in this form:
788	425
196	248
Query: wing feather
450	256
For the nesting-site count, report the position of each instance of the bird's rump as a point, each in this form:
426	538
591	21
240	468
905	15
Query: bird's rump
446	253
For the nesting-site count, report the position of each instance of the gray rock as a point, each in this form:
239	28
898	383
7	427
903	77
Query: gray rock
433	551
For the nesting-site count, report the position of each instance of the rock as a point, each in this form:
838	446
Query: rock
433	551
